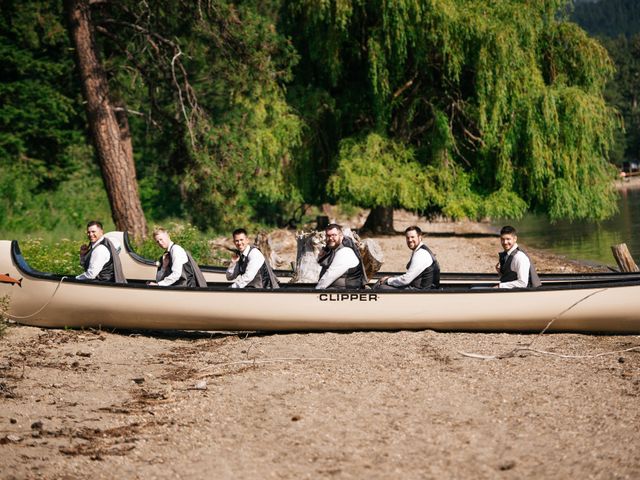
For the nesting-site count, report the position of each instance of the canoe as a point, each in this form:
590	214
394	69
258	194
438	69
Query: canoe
135	266
48	300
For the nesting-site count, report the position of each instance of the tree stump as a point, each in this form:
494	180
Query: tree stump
372	257
623	258
274	246
310	244
307	267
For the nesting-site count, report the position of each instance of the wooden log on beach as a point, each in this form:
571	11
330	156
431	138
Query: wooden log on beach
623	258
309	245
372	256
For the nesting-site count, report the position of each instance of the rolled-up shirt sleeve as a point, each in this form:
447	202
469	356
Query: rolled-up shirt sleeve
521	265
419	262
99	259
179	258
344	259
255	260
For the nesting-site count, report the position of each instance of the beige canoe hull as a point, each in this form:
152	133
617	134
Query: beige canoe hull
49	302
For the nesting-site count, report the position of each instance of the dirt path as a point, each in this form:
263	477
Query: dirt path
79	404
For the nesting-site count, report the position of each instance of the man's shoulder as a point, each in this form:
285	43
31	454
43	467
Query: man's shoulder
177	249
521	256
255	253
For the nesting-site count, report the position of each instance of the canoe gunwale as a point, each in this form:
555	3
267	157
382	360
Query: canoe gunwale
458	276
26	269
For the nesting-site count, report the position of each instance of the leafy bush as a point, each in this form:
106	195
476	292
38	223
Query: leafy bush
188	237
61	257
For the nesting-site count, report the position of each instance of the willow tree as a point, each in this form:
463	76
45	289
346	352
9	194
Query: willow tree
469	108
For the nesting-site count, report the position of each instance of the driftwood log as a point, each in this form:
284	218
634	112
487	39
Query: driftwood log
274	246
623	258
309	246
307	268
372	256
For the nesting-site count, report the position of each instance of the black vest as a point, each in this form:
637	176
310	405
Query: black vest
187	277
352	278
430	276
262	278
508	275
107	274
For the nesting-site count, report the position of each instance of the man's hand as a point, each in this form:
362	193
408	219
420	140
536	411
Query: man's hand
498	267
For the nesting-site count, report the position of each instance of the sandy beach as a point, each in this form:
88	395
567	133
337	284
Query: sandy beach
150	404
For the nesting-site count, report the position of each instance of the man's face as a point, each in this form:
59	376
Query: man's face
507	241
94	233
162	239
334	238
413	239
240	241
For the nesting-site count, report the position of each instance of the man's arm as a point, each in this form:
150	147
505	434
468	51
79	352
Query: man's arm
421	260
99	258
521	265
179	258
232	271
255	260
344	260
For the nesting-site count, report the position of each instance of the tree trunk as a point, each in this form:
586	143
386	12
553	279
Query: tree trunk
111	139
379	221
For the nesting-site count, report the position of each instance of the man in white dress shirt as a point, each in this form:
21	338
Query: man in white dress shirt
248	268
423	270
340	261
100	258
514	266
176	266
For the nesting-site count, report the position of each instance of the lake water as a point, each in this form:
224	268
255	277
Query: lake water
586	241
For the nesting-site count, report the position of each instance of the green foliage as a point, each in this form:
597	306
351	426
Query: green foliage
77	199
608	17
623	92
240	112
499	101
187	236
219	137
61	257
40	112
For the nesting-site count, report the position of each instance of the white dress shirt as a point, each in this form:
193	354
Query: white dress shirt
520	264
179	258
344	259
99	258
255	260
420	260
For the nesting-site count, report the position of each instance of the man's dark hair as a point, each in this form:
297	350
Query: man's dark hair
507	230
413	228
239	231
331	226
96	223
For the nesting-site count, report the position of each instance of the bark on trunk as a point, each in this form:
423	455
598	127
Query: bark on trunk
379	221
111	139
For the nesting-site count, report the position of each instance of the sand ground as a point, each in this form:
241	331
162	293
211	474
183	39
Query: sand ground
139	404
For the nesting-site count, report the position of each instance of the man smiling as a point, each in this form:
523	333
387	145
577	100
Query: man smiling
514	266
248	267
100	258
423	270
340	261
